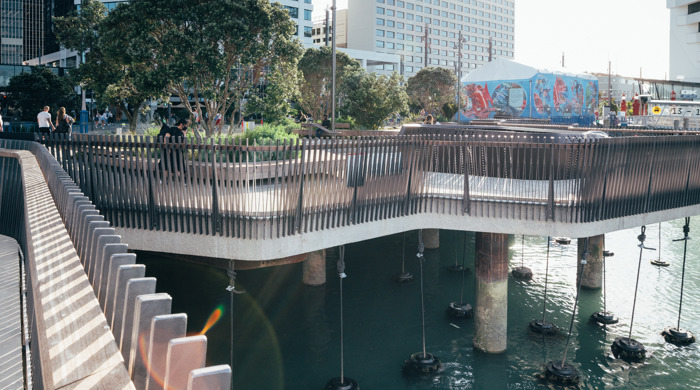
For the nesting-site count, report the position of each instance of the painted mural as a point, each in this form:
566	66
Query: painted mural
546	95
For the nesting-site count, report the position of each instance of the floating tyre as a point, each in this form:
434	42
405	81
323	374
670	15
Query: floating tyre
608	253
678	336
422	364
561	374
604	317
345	384
522	273
402	277
659	263
562	240
543	327
628	349
456	268
460	310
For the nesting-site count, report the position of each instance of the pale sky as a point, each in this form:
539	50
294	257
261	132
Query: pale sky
631	34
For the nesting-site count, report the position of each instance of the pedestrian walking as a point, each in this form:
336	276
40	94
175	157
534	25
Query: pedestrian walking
44	120
64	122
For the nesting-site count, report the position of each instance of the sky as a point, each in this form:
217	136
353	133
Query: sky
631	34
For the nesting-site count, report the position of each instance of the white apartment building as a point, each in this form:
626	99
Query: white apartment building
399	27
684	45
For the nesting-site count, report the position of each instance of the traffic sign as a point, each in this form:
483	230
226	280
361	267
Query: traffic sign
656	110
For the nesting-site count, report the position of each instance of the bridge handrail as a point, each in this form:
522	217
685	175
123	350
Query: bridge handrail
71	252
316	184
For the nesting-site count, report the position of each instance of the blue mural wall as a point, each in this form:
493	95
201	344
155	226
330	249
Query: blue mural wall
545	95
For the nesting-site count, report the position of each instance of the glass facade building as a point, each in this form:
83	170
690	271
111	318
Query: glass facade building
21	30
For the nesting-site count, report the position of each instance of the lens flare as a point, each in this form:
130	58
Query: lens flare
213	319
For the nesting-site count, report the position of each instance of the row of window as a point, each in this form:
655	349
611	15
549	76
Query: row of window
448	15
411	69
444	4
294	12
450	34
445	53
417	28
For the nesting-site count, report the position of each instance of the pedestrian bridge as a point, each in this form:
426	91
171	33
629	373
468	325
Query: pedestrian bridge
261	202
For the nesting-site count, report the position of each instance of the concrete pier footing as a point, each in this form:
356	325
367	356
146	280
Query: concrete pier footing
315	268
592	277
431	238
491	309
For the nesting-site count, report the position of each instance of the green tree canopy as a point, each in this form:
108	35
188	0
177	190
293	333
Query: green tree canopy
125	78
316	75
371	98
431	88
214	52
41	87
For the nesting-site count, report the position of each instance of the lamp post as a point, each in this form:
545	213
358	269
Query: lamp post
333	73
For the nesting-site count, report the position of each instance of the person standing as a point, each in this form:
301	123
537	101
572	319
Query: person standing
1	123
44	121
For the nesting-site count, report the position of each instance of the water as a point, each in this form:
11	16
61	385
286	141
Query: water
287	335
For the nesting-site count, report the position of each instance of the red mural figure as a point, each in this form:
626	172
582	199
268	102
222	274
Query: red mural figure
481	102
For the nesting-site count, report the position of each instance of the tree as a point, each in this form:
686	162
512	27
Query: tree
42	87
126	78
213	52
315	86
431	88
280	88
371	98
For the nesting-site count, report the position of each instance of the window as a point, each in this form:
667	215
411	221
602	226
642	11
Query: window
400	36
307	31
399	46
380	11
307	1
379	44
389	34
390	45
400	14
408	69
390	12
693	8
390	23
307	14
293	12
380	22
380	33
409	16
399	25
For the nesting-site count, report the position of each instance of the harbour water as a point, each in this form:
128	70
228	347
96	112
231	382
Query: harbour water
287	335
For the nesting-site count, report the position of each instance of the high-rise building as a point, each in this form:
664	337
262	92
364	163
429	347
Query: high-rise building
407	27
684	44
21	30
300	12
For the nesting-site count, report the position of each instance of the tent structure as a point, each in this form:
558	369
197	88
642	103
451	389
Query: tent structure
507	88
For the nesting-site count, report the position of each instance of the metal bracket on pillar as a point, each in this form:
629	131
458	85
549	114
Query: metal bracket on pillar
550	197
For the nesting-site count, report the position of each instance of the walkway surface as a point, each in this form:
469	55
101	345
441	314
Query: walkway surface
10	318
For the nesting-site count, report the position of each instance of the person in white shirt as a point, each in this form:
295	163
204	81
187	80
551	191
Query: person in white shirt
0	122
44	120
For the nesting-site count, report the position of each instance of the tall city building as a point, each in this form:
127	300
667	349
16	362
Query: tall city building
408	27
684	45
21	30
300	12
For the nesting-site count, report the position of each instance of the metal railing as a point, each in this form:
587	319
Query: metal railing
227	189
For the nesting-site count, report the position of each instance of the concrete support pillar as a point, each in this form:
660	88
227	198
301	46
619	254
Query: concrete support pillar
491	310
315	268
134	288
431	238
593	271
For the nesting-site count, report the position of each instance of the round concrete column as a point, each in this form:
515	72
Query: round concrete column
593	271
315	268
491	311
431	238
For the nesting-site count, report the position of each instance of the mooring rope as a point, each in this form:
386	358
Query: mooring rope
461	292
686	230
342	275
421	248
546	277
641	239
584	257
